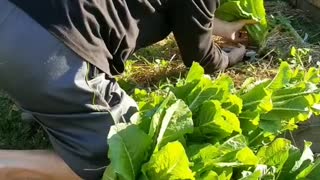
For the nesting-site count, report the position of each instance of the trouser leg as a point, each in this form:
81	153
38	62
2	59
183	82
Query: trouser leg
48	80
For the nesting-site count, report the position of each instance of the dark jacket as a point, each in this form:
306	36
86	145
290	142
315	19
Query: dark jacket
106	32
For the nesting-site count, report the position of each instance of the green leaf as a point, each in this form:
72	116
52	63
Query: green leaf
195	73
298	166
249	120
294	91
298	74
203	91
109	174
313	75
275	154
206	89
307	155
235	143
176	122
202	155
233	104
225	87
140	95
158	115
194	76
170	163
257	99
282	78
224	155
199	88
211	175
258	32
232	10
283	112
217	174
183	90
286	171
202	152
128	147
146	100
215	121
148	107
271	126
311	172
247	157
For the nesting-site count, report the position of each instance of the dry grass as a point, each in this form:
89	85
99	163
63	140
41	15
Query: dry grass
291	27
146	75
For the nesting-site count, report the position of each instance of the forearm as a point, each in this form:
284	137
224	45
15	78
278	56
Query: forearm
219	27
34	164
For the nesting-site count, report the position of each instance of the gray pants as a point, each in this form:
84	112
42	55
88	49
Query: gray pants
45	78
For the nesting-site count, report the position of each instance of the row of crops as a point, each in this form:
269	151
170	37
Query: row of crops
206	128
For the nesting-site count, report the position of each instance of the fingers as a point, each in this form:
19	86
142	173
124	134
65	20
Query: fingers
237	54
248	22
240	37
242	23
233	30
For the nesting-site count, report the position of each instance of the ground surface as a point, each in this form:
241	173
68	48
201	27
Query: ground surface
150	67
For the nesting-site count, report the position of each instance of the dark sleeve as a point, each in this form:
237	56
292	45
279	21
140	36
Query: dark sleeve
192	23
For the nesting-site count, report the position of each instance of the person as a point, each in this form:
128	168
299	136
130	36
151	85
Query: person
59	59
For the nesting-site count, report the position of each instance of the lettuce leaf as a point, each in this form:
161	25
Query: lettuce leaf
228	134
232	10
170	163
127	155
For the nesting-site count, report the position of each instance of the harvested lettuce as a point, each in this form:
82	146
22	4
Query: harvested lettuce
232	10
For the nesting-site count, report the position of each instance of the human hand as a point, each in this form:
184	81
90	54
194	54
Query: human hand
231	30
234	30
236	54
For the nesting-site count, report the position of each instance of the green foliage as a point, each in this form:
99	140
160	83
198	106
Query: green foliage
171	162
206	129
232	10
299	56
126	155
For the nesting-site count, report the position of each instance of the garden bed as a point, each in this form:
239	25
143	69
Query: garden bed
161	65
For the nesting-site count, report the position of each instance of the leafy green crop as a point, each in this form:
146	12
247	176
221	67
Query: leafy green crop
206	129
232	10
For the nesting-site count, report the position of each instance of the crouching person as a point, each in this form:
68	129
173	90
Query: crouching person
58	60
